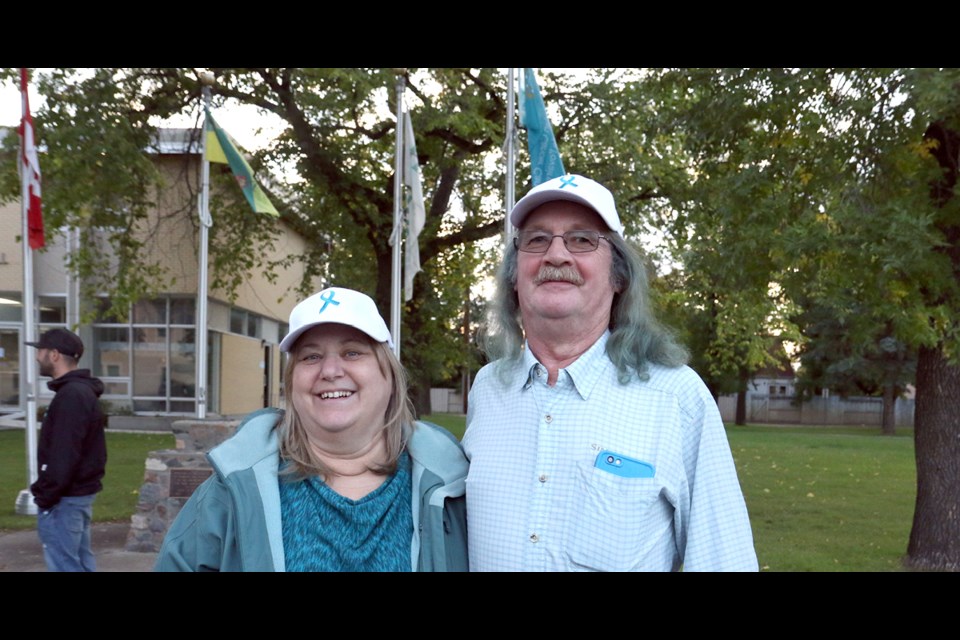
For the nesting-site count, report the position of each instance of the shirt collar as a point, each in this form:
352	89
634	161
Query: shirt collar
584	372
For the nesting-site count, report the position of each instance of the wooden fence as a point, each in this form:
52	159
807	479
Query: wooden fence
861	411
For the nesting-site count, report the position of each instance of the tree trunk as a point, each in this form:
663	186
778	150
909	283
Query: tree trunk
888	423
935	536
741	407
743	381
420	395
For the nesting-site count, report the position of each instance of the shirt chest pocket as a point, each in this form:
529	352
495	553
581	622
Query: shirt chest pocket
618	522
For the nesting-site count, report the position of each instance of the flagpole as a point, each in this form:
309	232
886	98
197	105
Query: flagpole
25	505
200	335
395	279
511	159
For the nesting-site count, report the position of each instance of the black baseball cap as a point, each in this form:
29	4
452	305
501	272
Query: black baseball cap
66	342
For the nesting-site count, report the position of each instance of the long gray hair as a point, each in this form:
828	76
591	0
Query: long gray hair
399	418
637	338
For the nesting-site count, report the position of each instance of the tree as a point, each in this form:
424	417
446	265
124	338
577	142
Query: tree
770	187
717	198
836	355
333	175
838	165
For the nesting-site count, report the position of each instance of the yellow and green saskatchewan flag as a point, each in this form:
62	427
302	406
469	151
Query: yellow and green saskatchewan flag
220	148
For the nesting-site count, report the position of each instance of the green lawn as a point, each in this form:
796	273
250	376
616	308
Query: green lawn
456	424
126	454
820	499
826	499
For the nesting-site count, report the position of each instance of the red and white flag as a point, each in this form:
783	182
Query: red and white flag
30	168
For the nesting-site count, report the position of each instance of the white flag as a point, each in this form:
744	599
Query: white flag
412	207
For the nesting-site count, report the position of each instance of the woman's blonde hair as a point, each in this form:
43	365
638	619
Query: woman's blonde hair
399	418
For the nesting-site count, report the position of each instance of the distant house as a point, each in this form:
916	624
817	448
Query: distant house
770	399
774	381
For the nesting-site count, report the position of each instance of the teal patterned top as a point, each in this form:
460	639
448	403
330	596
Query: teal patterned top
325	531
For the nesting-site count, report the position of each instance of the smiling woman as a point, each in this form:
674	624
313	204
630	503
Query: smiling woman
344	479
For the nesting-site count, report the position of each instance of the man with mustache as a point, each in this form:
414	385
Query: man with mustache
592	445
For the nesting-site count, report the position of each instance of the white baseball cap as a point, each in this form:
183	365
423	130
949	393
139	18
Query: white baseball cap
342	306
576	189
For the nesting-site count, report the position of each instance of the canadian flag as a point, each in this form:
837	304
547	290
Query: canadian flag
30	168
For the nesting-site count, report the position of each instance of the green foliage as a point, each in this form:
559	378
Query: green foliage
767	188
849	354
816	179
332	179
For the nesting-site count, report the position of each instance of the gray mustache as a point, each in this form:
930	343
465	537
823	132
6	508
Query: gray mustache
564	274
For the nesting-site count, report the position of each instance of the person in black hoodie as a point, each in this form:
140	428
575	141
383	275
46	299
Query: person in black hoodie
71	454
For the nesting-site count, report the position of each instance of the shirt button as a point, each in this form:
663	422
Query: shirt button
534	538
543	477
539	371
548	418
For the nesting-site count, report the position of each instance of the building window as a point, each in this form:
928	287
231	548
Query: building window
110	359
11	306
245	323
182	311
151	360
150	312
183	363
104	314
253	325
238	321
53	309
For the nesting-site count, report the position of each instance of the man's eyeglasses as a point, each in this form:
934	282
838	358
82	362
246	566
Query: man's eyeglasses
581	241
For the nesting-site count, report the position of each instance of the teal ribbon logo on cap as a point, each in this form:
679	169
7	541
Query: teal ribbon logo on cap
327	301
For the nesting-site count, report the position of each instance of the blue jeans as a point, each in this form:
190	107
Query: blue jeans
64	531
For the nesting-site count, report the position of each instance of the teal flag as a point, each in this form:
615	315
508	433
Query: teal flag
545	162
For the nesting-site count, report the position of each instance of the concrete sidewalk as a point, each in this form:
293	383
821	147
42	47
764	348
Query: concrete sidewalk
21	551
